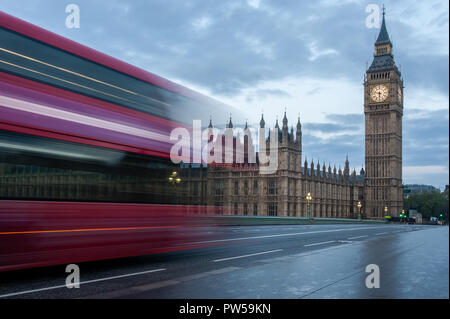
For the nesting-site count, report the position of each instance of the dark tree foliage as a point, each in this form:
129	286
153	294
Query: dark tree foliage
429	204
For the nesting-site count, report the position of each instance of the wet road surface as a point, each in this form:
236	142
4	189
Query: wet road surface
298	261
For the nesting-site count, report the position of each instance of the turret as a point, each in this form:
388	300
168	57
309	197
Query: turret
347	167
284	131
210	123
285	120
230	124
210	131
298	137
305	167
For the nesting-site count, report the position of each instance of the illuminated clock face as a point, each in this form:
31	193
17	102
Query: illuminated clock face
379	93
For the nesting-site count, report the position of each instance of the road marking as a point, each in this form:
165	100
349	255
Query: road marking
357	237
380	234
282	235
81	283
243	256
322	243
345	241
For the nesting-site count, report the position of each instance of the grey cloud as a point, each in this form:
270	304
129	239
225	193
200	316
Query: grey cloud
346	118
242	47
329	127
264	93
313	91
426	138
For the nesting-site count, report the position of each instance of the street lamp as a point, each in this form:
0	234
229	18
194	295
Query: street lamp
403	214
174	179
308	199
385	210
359	210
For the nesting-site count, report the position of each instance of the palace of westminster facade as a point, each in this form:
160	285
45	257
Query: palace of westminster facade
240	188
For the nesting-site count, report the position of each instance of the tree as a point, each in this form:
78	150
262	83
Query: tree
429	204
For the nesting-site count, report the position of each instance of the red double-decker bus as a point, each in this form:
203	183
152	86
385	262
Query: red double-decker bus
84	152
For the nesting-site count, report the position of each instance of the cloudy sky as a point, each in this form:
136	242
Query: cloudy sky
307	57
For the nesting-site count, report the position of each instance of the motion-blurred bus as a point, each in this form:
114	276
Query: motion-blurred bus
84	152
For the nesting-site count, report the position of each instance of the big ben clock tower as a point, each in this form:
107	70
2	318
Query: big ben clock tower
383	109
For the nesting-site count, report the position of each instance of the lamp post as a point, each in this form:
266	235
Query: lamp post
385	210
403	214
359	210
174	179
308	199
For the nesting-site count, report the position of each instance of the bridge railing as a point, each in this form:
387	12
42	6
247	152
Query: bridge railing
278	220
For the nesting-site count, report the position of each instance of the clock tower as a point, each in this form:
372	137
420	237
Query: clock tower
383	109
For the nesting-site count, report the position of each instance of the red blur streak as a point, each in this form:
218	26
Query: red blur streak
47	89
35	234
28	129
84	229
20	26
18	128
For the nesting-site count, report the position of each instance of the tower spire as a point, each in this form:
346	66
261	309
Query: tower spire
262	123
285	120
383	56
230	124
383	36
210	122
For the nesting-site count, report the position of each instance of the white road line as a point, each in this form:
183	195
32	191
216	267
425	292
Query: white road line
243	256
357	237
81	283
380	234
281	235
322	243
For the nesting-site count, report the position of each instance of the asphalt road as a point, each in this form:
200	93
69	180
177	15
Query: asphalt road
299	261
